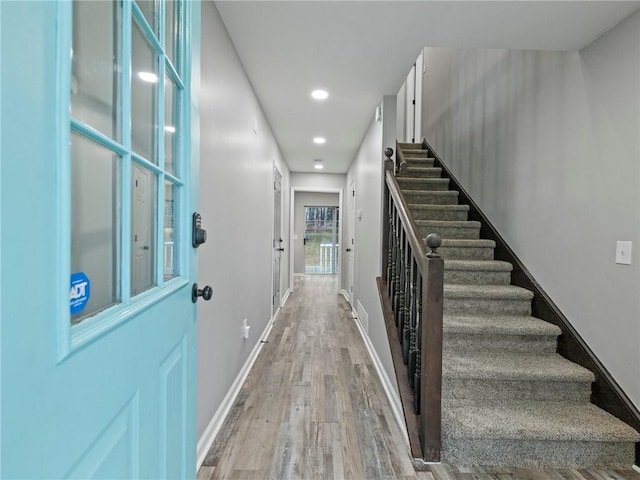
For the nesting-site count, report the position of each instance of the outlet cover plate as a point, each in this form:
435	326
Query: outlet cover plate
623	253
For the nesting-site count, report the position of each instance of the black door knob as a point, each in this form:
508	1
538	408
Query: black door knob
348	249
206	293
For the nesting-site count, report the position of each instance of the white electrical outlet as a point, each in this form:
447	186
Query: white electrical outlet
245	328
623	253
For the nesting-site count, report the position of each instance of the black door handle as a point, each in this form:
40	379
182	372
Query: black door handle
281	249
206	293
348	249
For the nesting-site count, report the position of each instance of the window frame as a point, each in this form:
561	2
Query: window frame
71	338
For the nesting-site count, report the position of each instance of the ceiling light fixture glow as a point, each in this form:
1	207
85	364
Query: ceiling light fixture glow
170	129
148	77
319	140
320	94
317	163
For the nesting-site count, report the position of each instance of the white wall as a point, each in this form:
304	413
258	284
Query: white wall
368	168
547	144
236	202
300	180
310	199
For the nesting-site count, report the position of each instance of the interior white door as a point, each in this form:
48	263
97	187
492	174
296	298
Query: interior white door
350	248
278	245
410	109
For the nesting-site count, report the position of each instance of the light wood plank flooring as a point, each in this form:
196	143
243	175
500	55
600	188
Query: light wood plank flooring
313	407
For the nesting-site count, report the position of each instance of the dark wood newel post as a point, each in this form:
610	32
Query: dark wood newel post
386	214
431	358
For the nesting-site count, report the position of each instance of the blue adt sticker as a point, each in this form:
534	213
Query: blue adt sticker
80	292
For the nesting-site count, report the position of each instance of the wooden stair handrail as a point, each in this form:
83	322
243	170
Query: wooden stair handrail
407	220
430	266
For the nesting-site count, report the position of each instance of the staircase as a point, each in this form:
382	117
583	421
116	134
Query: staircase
507	398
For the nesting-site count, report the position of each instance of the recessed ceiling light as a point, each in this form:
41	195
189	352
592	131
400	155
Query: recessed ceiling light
319	140
148	77
170	129
320	94
317	163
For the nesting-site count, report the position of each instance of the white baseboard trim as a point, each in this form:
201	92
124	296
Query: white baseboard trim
387	385
209	435
285	297
344	293
636	468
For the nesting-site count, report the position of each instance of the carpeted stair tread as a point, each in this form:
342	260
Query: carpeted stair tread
434	197
498	325
472	272
430	211
420	162
431	206
478	265
535	420
463	229
419	208
419	170
461	242
410	183
410	146
507	365
409	152
498	292
448	223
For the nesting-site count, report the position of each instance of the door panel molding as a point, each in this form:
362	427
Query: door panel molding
115	451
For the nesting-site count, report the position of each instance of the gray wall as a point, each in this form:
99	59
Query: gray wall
547	144
309	199
236	202
367	168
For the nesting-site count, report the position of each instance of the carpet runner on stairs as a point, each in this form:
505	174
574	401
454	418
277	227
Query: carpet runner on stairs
507	398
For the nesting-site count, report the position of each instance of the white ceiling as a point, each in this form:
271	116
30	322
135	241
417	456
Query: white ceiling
362	50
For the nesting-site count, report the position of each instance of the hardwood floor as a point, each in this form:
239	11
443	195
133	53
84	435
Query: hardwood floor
313	407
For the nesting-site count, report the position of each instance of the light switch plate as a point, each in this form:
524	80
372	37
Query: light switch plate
623	253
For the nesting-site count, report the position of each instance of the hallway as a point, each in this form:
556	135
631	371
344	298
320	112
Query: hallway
313	407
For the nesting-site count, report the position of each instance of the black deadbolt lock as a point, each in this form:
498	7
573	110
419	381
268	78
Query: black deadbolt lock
199	235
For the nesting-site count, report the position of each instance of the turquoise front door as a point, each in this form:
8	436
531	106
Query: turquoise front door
96	195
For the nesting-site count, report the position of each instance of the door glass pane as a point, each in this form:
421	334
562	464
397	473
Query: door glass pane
170	231
171	126
95	65
149	9
144	82
95	233
143	229
321	240
170	22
